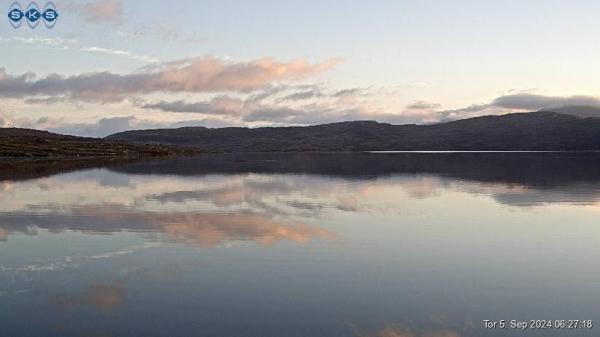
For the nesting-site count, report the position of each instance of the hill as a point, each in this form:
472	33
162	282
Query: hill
27	143
533	131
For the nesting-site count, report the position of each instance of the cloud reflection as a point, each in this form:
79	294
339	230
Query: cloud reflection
214	229
203	228
265	208
105	297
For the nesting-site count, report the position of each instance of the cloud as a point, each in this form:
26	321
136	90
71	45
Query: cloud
197	75
208	122
539	102
422	105
163	30
45	100
302	95
211	74
284	105
247	111
220	105
107	126
467	112
100	128
118	52
100	11
57	43
4	121
580	105
348	92
320	114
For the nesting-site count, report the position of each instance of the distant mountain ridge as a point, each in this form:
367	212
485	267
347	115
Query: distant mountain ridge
533	131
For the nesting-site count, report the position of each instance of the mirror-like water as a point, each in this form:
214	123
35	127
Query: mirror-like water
382	245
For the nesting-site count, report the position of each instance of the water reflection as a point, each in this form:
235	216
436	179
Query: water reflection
107	298
395	330
301	245
519	179
180	200
203	228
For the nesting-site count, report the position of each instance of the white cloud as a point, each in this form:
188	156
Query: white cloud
73	44
118	52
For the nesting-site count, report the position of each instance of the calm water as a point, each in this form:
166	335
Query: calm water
382	245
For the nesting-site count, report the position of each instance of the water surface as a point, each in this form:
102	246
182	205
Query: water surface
303	245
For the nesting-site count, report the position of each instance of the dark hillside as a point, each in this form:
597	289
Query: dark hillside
27	143
538	131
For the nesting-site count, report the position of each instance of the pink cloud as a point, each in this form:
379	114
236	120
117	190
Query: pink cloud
198	75
100	11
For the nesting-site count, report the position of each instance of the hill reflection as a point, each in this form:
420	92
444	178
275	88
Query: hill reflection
269	198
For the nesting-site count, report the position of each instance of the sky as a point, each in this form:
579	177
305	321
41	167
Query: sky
115	65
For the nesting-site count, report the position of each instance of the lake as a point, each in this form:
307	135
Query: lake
368	245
